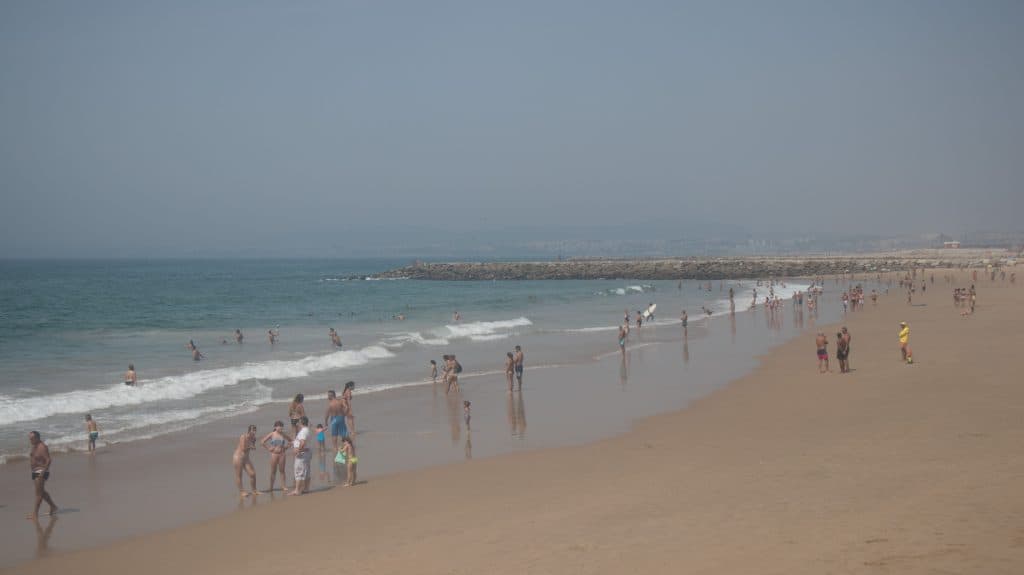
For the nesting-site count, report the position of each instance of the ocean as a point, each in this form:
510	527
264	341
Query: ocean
72	327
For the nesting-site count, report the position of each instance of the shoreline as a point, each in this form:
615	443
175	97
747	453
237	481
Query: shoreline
497	482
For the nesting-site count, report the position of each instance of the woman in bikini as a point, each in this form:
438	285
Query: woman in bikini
510	363
276	442
346	398
295	412
241	461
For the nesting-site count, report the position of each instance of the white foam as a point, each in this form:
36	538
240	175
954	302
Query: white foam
592	329
180	387
484	328
412	337
490	337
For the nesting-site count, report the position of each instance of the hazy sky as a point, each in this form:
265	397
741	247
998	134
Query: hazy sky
287	127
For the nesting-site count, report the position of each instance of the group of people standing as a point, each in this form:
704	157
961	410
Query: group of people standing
338	421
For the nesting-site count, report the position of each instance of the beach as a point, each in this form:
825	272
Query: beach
891	468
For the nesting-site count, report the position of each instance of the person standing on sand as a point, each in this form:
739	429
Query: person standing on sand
433	371
276	442
334	418
303	457
510	362
845	336
623	332
94	432
905	342
130	377
349	449
39	460
519	366
841	352
241	461
346	398
821	343
296	411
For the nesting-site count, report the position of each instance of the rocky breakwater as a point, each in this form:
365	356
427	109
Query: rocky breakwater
662	269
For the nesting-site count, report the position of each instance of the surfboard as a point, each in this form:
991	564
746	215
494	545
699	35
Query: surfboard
650	310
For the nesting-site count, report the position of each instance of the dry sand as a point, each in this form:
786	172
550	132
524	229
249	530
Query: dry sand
889	469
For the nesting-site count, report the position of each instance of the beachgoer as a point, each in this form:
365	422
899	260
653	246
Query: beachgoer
510	363
321	439
639	320
93	430
841	351
623	332
191	345
271	336
238	336
821	343
349	449
433	371
848	339
334	418
303	457
335	338
456	317
905	343
130	377
684	318
39	460
295	411
241	461
346	398
466	413
196	355
452	370
519	366
276	442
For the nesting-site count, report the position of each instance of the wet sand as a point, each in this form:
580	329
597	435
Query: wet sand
890	468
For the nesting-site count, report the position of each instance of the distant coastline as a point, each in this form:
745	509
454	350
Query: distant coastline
699	268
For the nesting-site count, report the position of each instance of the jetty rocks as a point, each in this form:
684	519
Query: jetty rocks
667	269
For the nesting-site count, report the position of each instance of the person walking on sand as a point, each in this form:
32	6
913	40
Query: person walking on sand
276	442
908	356
94	432
130	377
821	343
510	363
303	457
39	460
241	461
519	367
334	418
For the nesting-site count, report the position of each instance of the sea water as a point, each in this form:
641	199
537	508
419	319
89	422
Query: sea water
70	329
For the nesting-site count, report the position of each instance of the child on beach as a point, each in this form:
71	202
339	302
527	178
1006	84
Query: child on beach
349	449
433	371
93	430
465	412
320	439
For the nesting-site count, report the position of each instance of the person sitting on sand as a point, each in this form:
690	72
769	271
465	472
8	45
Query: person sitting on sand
276	442
821	343
130	377
39	460
241	461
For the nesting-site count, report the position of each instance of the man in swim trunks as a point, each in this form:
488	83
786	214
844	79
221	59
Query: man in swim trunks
623	332
518	358
334	418
39	460
93	430
821	343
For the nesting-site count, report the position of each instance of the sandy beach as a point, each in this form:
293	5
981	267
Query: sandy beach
889	469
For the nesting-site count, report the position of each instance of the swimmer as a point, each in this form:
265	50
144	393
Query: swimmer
272	336
238	336
335	338
130	377
196	354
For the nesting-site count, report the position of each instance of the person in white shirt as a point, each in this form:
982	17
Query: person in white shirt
303	456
